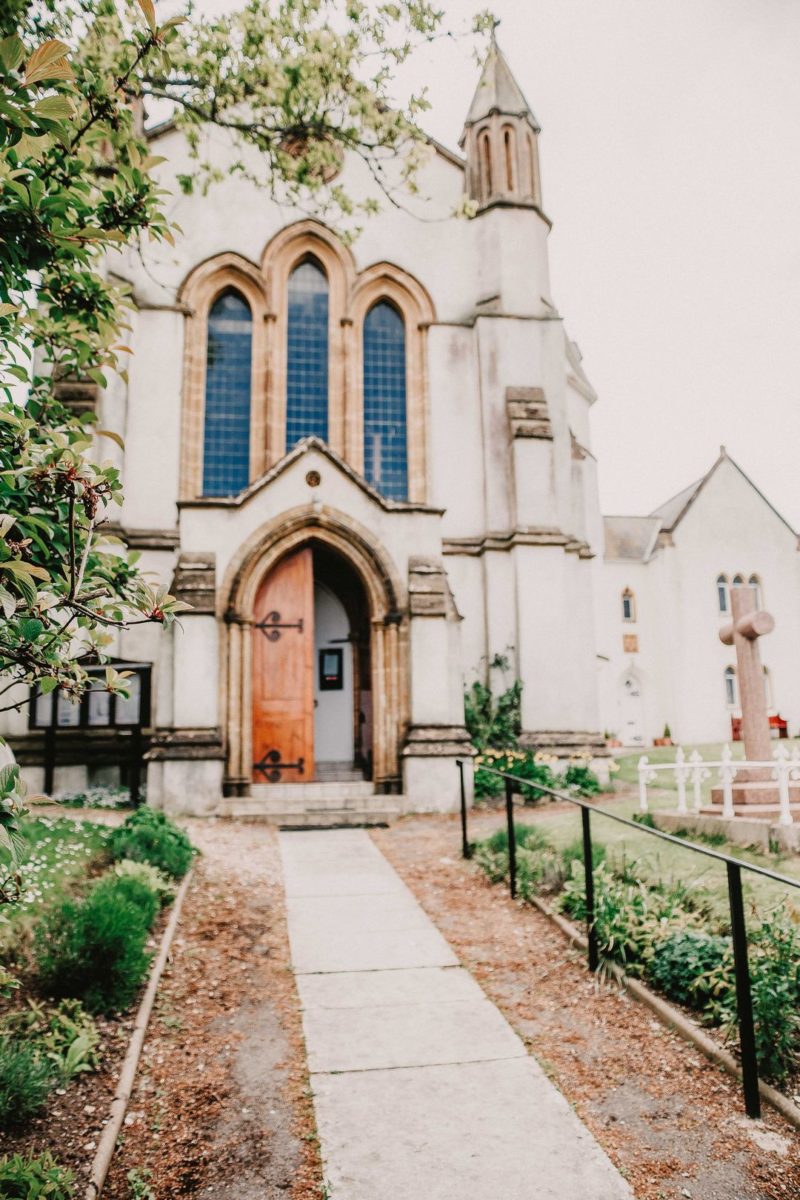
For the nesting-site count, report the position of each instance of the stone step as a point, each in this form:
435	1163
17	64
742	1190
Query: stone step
328	818
322	804
306	792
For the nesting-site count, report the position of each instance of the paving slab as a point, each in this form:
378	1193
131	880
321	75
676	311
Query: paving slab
378	989
422	1090
407	1035
458	1132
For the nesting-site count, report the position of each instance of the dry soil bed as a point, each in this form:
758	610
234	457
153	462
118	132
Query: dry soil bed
669	1119
221	1106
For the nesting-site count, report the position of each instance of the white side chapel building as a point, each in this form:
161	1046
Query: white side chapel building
368	470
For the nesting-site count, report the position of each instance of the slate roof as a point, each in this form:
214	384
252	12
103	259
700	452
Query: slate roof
630	538
498	91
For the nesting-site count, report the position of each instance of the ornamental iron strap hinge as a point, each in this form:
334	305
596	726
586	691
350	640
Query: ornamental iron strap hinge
271	626
271	766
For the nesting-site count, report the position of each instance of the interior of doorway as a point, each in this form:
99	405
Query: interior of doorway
342	674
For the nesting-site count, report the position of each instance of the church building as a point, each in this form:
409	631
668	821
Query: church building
367	469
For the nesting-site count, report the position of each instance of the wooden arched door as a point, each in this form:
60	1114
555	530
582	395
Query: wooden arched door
283	672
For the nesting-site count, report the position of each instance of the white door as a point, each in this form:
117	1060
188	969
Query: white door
333	679
631	711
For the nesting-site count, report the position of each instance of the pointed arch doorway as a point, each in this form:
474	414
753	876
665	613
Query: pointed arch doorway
312	710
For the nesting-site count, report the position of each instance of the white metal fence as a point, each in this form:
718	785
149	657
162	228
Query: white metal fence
691	773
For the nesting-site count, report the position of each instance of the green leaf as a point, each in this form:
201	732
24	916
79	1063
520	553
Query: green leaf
12	52
54	108
31	628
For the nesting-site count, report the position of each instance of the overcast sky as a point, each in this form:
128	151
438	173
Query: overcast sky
671	170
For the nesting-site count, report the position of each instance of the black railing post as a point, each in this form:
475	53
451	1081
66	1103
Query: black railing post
512	839
588	868
744	999
135	768
466	851
49	757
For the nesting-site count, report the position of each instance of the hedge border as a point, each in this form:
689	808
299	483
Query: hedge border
673	1018
108	1140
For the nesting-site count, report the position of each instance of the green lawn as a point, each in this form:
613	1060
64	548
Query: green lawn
628	763
56	856
657	859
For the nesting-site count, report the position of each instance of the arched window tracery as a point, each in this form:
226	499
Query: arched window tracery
226	418
385	401
307	353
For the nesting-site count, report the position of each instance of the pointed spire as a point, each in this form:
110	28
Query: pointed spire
500	139
498	91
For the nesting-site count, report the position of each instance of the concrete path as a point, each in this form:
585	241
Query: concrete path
422	1089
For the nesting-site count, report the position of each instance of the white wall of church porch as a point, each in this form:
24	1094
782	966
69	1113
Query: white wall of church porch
153	419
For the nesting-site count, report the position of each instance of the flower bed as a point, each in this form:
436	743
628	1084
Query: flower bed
671	936
76	951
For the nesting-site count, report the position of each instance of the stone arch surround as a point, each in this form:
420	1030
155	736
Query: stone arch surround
389	638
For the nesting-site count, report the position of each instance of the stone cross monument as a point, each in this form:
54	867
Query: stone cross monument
748	625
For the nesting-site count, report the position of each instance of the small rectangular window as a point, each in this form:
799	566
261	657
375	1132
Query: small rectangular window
331	670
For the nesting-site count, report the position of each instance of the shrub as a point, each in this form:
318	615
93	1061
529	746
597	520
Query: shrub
689	965
521	763
149	836
574	853
26	1080
582	779
64	1035
35	1178
155	880
127	888
95	949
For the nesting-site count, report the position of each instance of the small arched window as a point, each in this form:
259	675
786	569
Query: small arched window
755	584
226	432
307	354
532	167
628	605
485	163
738	581
385	440
723	595
509	152
731	689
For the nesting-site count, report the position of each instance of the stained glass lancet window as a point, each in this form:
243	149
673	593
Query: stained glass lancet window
385	442
307	355
226	439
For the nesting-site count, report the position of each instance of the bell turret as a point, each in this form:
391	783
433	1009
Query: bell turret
500	139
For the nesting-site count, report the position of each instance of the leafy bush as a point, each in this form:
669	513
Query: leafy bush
691	966
149	836
582	779
127	888
155	880
492	719
774	961
521	763
94	949
35	1178
95	797
26	1081
65	1036
574	853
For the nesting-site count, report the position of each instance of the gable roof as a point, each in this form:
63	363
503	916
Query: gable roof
672	512
302	448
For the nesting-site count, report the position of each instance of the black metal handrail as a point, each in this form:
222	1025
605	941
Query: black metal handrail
734	867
